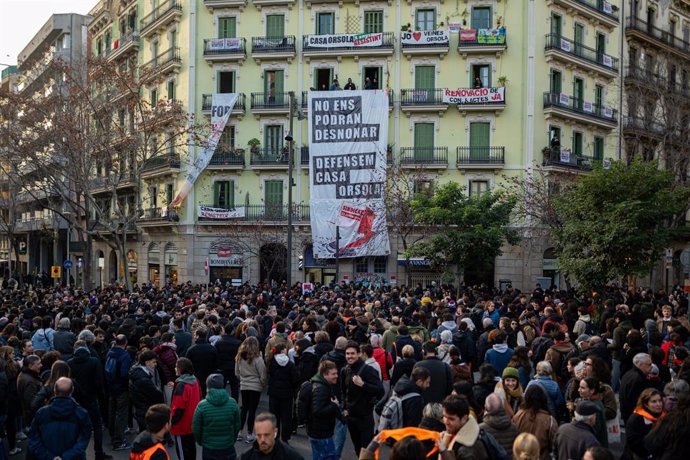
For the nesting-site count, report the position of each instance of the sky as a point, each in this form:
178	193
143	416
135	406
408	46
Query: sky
20	20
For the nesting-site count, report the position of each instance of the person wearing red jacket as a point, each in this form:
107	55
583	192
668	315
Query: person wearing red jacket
185	397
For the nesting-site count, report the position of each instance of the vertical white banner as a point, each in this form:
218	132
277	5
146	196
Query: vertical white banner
348	133
221	107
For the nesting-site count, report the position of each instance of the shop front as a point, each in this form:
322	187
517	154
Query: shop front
225	261
154	263
132	266
170	257
417	270
318	270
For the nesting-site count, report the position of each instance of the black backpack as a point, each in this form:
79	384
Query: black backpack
493	449
304	402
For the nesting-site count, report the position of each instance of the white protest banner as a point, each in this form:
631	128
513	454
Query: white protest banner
222	44
608	112
464	96
345	40
348	133
607	7
209	212
565	156
607	60
588	107
563	99
221	107
565	45
425	37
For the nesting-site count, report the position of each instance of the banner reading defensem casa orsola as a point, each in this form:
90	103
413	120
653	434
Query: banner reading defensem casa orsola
348	132
221	107
474	95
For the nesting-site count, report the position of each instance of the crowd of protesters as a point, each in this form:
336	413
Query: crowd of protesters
480	375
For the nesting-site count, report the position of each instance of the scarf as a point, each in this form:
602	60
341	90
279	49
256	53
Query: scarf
648	415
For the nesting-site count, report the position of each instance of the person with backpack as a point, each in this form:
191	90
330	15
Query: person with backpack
584	324
319	408
117	364
405	406
556	355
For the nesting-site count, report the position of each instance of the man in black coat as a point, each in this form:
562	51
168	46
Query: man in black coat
361	389
441	376
87	376
226	348
634	382
183	339
64	339
204	356
324	410
267	444
403	339
413	406
144	386
337	355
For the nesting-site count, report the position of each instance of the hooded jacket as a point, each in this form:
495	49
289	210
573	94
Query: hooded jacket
499	356
28	385
117	384
185	397
60	429
413	407
227	347
499	425
307	362
167	357
283	377
337	357
216	420
142	389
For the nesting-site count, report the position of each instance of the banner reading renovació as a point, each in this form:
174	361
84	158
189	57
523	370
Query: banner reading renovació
465	96
348	132
221	107
345	40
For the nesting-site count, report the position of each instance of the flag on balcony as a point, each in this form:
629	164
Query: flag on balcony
348	132
221	108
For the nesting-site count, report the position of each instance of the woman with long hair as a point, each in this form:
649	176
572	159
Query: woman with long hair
534	417
57	370
597	368
510	390
251	370
13	410
590	390
526	447
649	409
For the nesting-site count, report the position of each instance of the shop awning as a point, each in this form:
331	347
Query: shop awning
414	261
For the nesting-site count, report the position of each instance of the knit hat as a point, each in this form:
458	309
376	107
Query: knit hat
586	408
511	372
215	382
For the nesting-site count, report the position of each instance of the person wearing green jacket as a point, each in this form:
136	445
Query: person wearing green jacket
216	421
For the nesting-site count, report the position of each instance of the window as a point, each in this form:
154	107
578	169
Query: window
480	140
108	42
598	99
121	117
425	187
325	23
481	18
273	139
556	25
273	87
275	26
482	73
578	141
556	82
226	82
224	194
227	27
672	76
154	51
478	187
380	264
578	93
153	196
171	90
168	193
173	39
361	265
425	77
133	20
423	141
273	193
579	38
170	141
599	148
632	56
601	47
154	97
99	47
373	21
227	139
671	32
425	19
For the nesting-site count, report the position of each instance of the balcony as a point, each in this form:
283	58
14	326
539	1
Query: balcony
213	4
424	157
305	99
490	99
162	16
422	100
564	106
270	103
264	48
225	50
125	45
426	42
644	78
636	28
160	165
482	41
576	54
641	127
598	11
166	62
159	216
238	109
261	212
270	158
355	45
224	159
261	3
480	157
564	160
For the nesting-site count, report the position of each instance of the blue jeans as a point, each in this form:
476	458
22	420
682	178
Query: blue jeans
323	449
339	437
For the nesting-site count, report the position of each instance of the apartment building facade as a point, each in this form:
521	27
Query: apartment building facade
549	70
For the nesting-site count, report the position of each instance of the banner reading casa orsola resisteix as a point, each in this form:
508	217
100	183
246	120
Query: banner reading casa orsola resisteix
348	132
221	107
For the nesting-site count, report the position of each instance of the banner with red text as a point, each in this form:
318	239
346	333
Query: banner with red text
468	96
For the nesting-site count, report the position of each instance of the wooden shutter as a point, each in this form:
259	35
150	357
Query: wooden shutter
227	27
275	26
479	140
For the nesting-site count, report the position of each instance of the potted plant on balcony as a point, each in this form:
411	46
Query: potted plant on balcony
502	80
254	145
406	27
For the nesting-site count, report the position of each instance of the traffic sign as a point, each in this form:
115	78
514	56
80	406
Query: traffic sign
56	271
67	264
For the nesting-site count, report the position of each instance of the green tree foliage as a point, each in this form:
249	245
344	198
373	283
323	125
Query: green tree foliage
617	222
462	230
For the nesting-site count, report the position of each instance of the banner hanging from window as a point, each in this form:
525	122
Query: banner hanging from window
345	40
221	107
348	132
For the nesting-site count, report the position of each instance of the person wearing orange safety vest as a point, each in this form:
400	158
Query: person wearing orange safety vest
149	444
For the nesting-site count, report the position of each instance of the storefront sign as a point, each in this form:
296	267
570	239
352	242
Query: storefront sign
465	96
484	36
425	37
225	254
345	40
220	213
224	44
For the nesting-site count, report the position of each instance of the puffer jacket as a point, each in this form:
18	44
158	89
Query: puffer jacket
499	425
216	420
283	377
